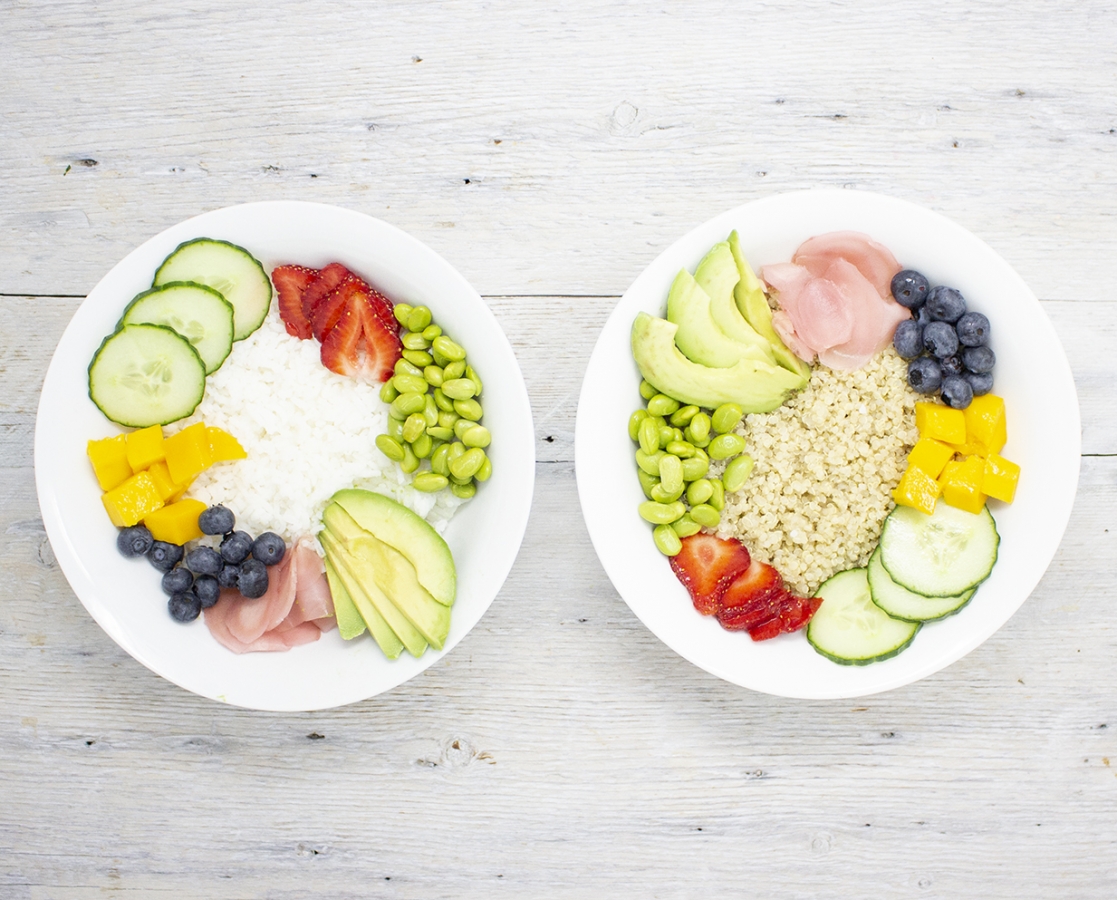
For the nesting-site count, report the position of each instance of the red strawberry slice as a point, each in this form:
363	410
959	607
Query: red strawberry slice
329	309
794	613
382	344
382	306
753	597
339	348
706	565
321	287
290	283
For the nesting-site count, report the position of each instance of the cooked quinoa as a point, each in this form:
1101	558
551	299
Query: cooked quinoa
826	464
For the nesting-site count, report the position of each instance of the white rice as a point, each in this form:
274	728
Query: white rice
308	432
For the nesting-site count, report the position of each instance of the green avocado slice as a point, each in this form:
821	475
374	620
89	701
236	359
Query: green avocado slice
717	275
349	621
699	337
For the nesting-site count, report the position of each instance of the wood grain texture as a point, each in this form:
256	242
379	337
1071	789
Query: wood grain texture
550	152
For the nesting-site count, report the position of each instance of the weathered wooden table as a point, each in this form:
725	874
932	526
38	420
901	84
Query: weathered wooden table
549	154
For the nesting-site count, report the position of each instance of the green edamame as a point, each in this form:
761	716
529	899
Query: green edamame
666	540
648	435
468	409
422	445
429	482
671	474
414	426
686	526
717	498
410	384
486	470
698	429
401	311
403	367
461	426
634	423
438	460
699	491
477	436
406	404
472	375
649	462
705	515
726	417
662	495
454	369
737	473
725	446
447	419
419	358
413	340
418	319
459	388
448	348
682	416
442	401
395	428
695	467
466	465
647	391
430	410
410	461
647	482
390	447
662	405
439	433
661	513
465	491
388	393
431	332
681	449
433	375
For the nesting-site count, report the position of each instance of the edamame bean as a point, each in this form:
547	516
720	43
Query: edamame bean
725	418
438	460
390	447
662	405
649	462
699	428
737	473
410	384
431	332
419	318
479	436
429	482
681	449
422	445
419	358
472	375
388	393
459	388
454	369
414	340
486	470
661	495
468	409
403	367
410	461
647	482
401	311
666	540
666	435
433	375
406	404
647	391
725	446
648	435
686	526
456	449
395	428
671	473
699	491
461	426
414	426
661	513
430	410
442	401
466	465
465	491
439	433
448	348
633	423
717	498
681	417
447	419
694	468
705	515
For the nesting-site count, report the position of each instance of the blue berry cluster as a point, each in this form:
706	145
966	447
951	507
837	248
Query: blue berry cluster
947	345
193	580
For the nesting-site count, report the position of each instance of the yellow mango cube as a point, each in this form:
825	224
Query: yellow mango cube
986	424
1000	478
109	457
187	453
176	523
223	446
930	455
132	501
940	422
145	447
917	489
961	484
165	486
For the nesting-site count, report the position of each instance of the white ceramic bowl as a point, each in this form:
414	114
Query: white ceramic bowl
124	596
1032	375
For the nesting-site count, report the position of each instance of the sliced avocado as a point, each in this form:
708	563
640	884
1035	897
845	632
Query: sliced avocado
386	623
349	621
753	305
755	385
392	573
718	276
411	535
698	336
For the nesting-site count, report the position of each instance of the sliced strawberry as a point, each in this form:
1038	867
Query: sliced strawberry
382	344
382	306
329	309
795	612
339	348
706	565
753	597
321	287
290	283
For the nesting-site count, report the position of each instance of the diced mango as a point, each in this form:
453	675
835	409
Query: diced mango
188	453
961	484
132	501
223	446
176	523
917	489
940	422
930	455
168	490
145	447
109	457
986	423
1000	478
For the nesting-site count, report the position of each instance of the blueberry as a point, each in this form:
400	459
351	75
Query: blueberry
253	579
973	330
207	590
940	339
164	556
184	607
236	547
922	316
910	288
216	520
228	576
956	392
952	365
979	360
134	541
178	581
981	382
945	304
269	548
204	561
925	374
908	339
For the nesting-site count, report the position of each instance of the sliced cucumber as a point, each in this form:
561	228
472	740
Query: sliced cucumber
146	375
900	603
850	629
231	270
198	313
939	555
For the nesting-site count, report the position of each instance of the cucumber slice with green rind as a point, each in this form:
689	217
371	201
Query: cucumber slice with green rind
231	270
198	313
900	603
939	555
146	375
850	629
